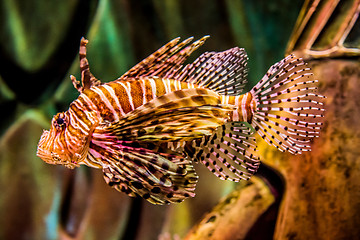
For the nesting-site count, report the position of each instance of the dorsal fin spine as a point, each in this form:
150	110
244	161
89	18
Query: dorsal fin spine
87	78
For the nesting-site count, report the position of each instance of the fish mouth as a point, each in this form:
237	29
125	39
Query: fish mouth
49	153
54	158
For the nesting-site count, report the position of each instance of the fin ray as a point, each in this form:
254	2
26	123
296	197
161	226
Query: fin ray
224	72
160	176
166	61
179	115
230	152
289	110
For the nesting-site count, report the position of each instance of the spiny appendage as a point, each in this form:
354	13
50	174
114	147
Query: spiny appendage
230	152
87	79
166	61
289	111
223	72
142	169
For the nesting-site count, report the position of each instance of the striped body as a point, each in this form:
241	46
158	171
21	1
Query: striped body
115	99
111	101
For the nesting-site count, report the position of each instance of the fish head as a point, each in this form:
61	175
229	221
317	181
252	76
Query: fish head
64	144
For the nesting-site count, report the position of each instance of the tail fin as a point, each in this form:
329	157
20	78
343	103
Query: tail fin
288	110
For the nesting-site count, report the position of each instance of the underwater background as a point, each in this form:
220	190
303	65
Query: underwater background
309	196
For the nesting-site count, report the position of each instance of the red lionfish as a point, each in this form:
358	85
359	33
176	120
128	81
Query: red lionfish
145	129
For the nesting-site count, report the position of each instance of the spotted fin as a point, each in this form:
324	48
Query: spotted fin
289	111
180	115
230	152
223	72
166	61
134	168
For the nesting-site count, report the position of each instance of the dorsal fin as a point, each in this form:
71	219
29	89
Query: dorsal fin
87	79
166	61
223	72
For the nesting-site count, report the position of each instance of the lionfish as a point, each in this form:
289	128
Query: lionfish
145	129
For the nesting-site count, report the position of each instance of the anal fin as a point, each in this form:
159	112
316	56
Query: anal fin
230	152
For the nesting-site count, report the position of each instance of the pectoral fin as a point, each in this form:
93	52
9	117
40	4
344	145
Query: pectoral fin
158	175
179	115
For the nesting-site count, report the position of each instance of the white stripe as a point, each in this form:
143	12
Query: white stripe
179	85
176	85
128	92
224	99
189	85
105	100
166	86
89	102
77	123
143	88
169	84
59	143
116	99
71	141
243	107
170	146
236	113
153	87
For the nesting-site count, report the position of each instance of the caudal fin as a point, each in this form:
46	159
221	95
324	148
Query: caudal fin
289	111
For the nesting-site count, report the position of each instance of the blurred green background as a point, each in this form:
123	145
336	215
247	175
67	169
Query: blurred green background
39	42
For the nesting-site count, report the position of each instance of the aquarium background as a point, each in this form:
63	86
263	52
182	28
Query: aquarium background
312	196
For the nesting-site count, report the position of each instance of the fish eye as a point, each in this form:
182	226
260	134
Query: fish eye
59	121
